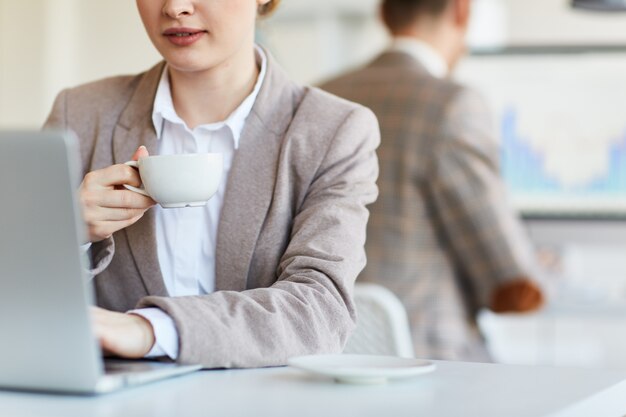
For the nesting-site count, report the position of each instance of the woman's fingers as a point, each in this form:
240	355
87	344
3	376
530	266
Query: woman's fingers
141	152
106	206
110	176
101	230
123	199
106	214
124	335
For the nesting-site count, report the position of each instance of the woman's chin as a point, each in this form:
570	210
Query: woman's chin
190	66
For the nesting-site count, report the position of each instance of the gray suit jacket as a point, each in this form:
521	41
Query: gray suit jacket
441	235
291	233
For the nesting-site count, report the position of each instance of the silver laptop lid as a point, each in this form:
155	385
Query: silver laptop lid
46	336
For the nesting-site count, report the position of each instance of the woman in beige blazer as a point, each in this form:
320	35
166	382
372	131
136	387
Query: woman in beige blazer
291	221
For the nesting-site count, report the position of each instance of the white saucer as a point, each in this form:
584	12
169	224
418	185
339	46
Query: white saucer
362	369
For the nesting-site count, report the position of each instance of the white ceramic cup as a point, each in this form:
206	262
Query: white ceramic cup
185	180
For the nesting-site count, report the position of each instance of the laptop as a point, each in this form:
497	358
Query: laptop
46	338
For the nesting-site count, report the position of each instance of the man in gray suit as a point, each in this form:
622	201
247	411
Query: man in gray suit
440	235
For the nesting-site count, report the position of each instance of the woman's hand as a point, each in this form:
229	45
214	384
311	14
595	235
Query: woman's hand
124	335
108	207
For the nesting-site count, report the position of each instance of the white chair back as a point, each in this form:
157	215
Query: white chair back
382	324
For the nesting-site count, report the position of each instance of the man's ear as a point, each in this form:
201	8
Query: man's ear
461	11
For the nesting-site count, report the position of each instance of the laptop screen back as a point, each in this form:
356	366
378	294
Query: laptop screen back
44	322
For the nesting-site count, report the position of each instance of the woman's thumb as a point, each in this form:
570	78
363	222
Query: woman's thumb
140	153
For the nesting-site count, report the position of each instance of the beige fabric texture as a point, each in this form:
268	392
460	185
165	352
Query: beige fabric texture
441	235
291	232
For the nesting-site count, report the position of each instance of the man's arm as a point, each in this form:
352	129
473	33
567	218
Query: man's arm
484	233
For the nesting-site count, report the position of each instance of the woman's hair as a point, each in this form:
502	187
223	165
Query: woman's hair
267	8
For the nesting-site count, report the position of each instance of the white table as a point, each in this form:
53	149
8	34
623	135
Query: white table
454	389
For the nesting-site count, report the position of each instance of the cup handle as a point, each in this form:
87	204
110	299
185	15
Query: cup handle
130	187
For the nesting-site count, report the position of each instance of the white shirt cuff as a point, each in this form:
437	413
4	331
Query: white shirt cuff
165	333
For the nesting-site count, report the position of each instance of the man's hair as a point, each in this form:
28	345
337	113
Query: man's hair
399	14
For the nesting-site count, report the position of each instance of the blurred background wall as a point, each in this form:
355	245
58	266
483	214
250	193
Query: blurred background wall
47	45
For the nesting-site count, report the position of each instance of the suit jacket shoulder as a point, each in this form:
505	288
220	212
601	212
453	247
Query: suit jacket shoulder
93	110
393	74
324	126
333	110
105	98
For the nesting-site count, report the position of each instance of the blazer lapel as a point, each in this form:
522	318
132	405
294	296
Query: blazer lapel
134	129
252	177
246	201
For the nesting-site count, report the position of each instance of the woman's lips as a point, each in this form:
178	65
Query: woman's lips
183	36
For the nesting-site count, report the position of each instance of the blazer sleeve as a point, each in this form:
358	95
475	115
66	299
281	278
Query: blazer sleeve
100	253
309	309
486	237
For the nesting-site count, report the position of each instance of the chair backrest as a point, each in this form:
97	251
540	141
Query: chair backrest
382	324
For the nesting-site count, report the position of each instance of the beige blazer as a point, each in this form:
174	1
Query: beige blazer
441	235
291	233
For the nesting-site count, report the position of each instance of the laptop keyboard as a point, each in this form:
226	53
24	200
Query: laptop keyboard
113	366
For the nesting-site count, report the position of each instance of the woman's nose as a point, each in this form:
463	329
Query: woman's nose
177	8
